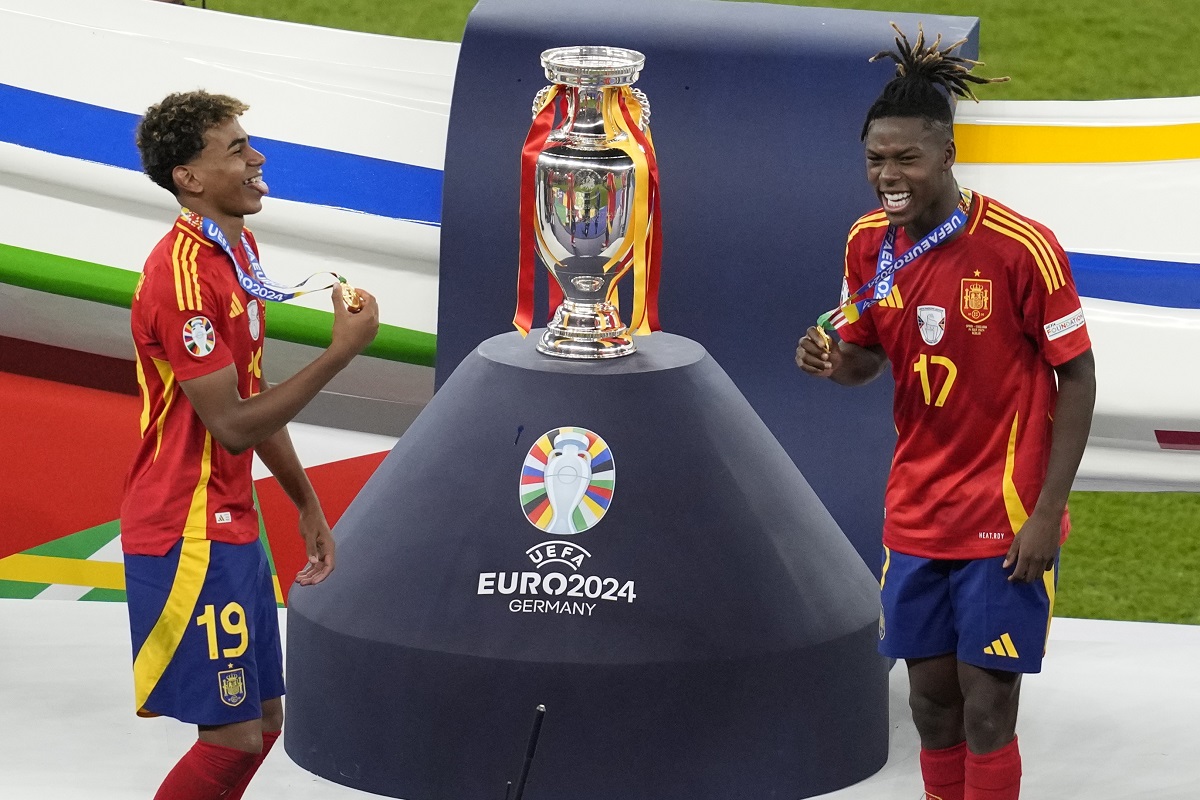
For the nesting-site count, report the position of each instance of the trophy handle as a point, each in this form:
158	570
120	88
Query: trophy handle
539	97
645	104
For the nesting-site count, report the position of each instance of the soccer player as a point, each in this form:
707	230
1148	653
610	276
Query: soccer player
995	385
202	605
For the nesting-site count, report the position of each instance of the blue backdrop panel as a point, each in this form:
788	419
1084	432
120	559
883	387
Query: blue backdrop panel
712	636
756	116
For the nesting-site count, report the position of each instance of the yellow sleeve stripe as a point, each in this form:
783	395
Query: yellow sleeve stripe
187	273
864	225
180	240
1021	225
1037	236
1047	271
197	238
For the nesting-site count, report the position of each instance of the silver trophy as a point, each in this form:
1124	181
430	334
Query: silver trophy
586	187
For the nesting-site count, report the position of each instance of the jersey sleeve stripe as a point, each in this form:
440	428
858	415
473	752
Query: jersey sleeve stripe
1020	224
194	271
156	652
193	235
1047	275
1024	225
1030	235
1017	516
177	270
862	226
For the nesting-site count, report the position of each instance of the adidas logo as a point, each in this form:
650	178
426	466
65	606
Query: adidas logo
1002	647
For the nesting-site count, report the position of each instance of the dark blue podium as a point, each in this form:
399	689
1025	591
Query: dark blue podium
695	623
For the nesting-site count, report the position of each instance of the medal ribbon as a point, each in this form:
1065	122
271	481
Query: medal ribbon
879	287
259	285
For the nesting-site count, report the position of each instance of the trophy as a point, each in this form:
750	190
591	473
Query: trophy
589	203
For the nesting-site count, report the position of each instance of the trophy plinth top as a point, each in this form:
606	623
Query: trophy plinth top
589	66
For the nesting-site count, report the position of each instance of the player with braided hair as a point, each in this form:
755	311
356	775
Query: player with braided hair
974	307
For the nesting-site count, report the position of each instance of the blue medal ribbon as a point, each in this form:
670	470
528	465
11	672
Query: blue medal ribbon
880	286
258	285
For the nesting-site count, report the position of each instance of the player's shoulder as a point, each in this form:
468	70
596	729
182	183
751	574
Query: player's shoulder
175	268
1010	228
868	226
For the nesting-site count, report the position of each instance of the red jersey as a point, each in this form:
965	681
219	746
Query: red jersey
189	318
973	329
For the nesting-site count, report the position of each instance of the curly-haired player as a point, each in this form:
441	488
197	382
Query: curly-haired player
974	307
202	605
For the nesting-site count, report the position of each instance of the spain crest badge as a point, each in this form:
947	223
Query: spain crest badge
976	302
233	686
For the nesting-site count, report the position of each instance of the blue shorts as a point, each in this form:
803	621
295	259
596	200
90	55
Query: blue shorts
932	607
205	629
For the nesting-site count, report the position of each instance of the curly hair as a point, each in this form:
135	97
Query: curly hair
172	132
927	76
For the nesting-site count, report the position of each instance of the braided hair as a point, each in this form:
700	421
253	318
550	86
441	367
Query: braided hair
927	77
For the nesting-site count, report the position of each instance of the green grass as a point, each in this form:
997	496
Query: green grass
1131	556
1052	49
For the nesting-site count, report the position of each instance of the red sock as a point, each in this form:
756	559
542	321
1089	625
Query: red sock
943	771
236	792
206	772
996	775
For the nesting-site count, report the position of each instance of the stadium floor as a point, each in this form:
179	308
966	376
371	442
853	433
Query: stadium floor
1112	717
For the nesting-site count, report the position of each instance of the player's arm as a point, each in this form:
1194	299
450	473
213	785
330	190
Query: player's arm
1036	544
844	363
279	455
239	423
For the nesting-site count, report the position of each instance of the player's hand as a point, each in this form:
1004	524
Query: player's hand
1034	549
815	357
318	543
354	330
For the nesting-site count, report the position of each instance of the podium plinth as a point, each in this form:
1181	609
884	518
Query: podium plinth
622	541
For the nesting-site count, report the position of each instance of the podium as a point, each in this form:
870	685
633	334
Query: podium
622	541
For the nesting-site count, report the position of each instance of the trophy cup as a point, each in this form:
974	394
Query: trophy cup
589	203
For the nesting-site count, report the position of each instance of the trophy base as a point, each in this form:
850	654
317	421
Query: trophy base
560	344
586	331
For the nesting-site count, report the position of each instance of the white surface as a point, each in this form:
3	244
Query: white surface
1110	718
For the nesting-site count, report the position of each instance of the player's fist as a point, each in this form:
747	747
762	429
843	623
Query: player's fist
354	329
817	353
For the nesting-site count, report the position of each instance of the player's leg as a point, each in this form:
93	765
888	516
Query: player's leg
936	702
265	638
1003	628
917	624
193	659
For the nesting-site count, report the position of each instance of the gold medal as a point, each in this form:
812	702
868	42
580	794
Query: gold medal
350	296
826	342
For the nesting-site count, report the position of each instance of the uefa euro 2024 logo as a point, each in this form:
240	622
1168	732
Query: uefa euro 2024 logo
567	481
